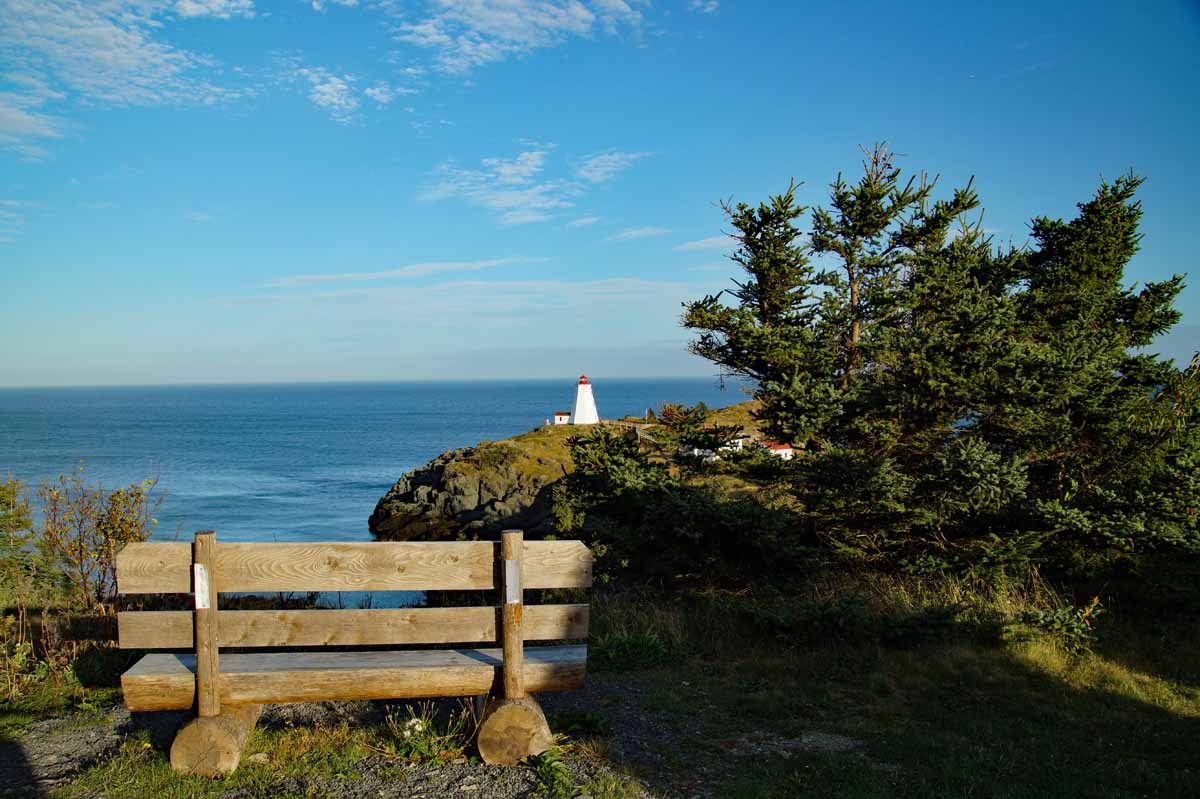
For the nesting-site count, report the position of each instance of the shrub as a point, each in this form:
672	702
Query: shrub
85	527
1070	626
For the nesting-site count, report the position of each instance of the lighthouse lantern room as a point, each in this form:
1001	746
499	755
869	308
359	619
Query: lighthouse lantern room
585	404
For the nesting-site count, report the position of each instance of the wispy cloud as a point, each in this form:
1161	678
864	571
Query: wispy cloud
96	206
412	270
605	166
629	234
11	219
470	33
383	92
23	125
711	243
506	186
102	52
319	5
198	217
511	171
708	268
111	52
519	300
334	93
703	6
515	188
222	9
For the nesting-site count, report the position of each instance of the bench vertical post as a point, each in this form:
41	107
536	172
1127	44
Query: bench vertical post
513	726
511	546
208	664
211	744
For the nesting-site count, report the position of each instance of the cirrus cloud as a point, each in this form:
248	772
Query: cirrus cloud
632	233
602	167
465	34
711	243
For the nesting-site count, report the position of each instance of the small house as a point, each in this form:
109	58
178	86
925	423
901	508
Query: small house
779	450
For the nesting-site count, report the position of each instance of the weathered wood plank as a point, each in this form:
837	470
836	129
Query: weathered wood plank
155	568
172	629
164	681
148	568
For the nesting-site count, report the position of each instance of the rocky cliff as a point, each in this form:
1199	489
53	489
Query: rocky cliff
481	489
492	486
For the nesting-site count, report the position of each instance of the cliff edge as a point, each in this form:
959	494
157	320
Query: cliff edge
481	489
494	485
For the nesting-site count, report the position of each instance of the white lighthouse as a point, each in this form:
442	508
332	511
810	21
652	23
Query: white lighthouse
585	404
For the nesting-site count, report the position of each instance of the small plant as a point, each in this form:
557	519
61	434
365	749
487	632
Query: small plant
419	735
554	779
610	786
581	724
625	650
1073	627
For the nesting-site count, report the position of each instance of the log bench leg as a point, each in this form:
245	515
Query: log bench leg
512	730
211	746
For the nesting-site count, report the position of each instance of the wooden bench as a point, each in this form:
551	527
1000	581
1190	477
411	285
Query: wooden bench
228	689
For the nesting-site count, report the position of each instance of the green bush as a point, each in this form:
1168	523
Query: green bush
1072	627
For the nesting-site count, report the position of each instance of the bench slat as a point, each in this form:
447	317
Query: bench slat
167	682
254	628
152	567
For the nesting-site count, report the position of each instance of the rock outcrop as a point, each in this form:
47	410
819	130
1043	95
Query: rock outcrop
477	490
496	485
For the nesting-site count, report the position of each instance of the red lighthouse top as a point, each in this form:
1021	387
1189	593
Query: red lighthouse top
583	381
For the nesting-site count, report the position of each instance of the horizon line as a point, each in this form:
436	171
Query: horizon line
369	382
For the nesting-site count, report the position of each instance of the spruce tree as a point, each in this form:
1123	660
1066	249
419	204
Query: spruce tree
961	405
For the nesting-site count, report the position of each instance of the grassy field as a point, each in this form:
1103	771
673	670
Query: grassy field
938	694
856	686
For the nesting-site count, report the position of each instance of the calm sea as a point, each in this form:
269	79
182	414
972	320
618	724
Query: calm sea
287	462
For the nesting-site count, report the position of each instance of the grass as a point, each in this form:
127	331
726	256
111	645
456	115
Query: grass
975	710
295	758
945	687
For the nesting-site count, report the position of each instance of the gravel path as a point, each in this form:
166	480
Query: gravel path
54	750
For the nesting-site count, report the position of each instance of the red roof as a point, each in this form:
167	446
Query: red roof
775	444
562	413
583	381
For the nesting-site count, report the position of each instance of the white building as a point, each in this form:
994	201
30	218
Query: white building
783	451
562	417
585	404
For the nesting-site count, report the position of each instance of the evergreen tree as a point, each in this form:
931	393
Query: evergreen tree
961	405
771	334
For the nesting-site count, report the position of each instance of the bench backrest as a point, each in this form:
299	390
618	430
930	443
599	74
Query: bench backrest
165	568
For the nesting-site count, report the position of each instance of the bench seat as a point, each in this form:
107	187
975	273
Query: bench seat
162	681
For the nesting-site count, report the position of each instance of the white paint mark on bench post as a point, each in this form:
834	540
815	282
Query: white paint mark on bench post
208	669
200	581
511	546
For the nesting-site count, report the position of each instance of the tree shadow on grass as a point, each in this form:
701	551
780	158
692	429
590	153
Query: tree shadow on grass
947	720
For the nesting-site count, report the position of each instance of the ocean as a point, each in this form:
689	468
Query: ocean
287	462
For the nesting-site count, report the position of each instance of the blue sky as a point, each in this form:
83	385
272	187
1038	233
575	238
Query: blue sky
246	190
